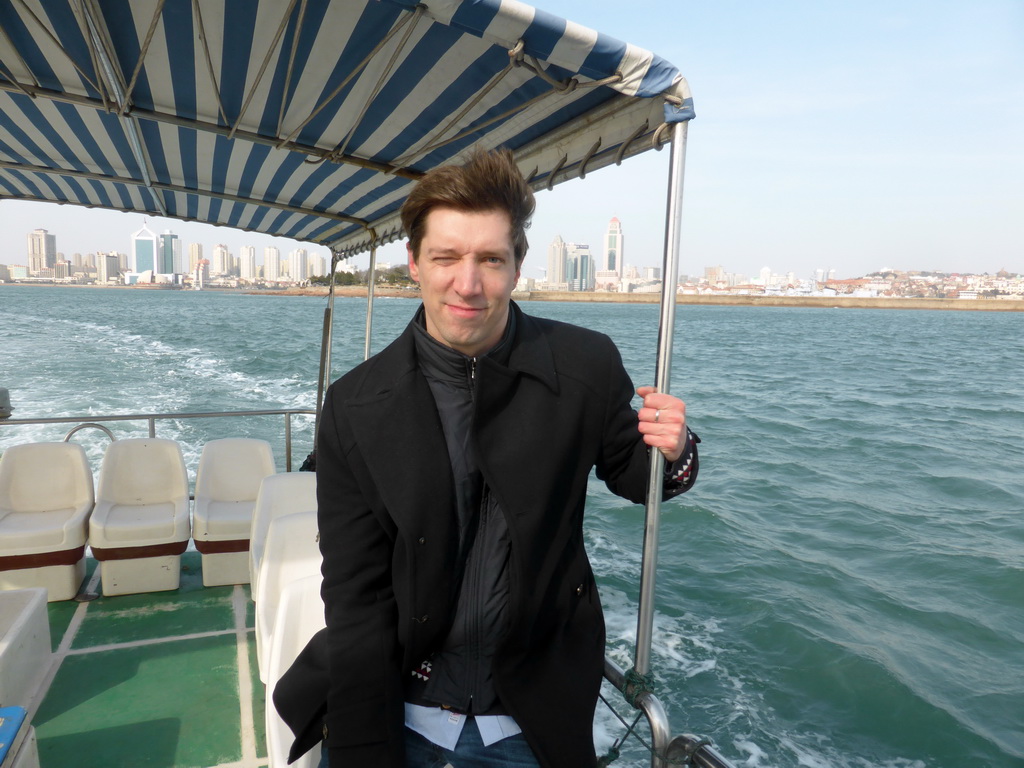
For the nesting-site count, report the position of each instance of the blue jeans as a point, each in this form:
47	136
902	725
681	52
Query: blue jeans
470	752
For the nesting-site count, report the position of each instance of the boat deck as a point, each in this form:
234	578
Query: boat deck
166	679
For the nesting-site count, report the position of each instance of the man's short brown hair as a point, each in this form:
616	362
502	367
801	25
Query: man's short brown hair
489	181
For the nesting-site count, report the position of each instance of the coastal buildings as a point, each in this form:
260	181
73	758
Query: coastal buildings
271	264
143	254
247	263
570	266
42	251
169	254
555	274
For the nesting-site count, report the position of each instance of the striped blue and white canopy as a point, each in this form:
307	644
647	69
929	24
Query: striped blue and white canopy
307	119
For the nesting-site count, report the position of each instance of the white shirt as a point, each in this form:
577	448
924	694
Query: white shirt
443	727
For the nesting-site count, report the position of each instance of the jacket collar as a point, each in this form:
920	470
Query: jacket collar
530	354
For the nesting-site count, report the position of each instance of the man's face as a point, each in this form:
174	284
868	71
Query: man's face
466	271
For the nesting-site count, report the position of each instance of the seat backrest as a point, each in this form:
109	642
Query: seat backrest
292	552
300	615
37	477
280	494
233	468
144	470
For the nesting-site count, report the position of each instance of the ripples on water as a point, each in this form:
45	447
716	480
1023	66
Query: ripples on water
845	585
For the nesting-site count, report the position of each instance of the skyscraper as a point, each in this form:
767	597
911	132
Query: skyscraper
106	267
298	265
42	251
579	267
220	264
271	263
169	254
144	250
317	264
556	264
614	248
195	253
247	262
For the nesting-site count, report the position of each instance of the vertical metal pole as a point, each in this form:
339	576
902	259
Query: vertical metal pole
326	342
371	278
662	376
288	442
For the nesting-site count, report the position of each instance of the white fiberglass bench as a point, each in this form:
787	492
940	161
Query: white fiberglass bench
24	647
300	615
227	484
46	497
281	494
292	552
140	525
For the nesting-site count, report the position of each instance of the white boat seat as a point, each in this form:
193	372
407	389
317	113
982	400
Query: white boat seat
292	552
46	498
25	656
300	615
281	494
140	525
227	483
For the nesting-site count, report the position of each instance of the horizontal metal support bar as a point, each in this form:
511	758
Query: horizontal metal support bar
159	416
151	419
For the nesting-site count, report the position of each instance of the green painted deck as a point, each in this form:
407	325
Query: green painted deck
161	680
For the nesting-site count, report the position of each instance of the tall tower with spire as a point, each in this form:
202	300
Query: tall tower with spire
613	248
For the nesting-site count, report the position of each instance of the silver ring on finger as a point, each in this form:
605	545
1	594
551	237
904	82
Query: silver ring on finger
657	414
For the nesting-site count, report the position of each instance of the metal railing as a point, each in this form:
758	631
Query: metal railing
666	749
96	422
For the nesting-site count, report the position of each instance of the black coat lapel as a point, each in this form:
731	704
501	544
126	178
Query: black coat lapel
397	429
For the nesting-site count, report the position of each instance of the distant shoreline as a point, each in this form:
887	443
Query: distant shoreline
844	302
837	302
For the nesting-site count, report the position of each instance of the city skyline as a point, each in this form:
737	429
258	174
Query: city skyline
536	266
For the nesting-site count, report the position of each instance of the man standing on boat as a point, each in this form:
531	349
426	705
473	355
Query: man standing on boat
463	620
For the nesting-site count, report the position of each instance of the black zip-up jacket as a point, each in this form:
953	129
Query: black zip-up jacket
459	674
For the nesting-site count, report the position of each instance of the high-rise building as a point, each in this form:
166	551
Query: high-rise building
556	264
614	248
298	265
169	254
107	267
579	267
247	262
195	253
42	251
220	264
144	250
271	264
317	265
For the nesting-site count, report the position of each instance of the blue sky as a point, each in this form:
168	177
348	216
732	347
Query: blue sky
852	136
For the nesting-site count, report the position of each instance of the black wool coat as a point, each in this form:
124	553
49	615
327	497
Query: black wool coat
560	407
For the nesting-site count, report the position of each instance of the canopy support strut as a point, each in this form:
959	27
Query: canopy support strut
662	377
371	280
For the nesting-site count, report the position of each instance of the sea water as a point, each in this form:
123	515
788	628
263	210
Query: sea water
843	587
